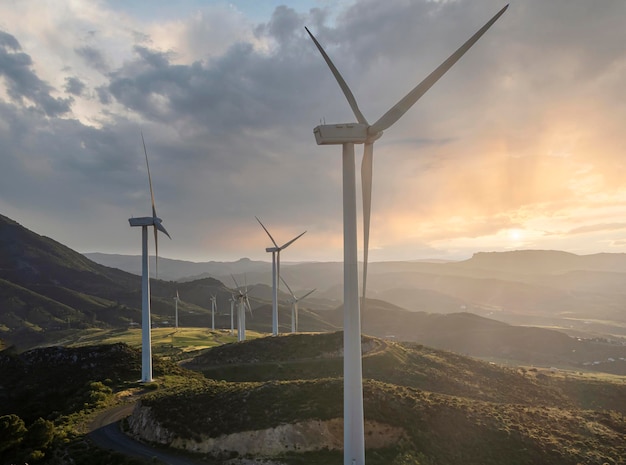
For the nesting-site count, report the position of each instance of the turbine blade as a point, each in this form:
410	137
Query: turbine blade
160	227
156	251
247	302
307	294
366	186
154	215
407	102
284	246
290	291
236	285
268	233
342	83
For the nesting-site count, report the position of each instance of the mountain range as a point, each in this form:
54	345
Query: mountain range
48	290
579	294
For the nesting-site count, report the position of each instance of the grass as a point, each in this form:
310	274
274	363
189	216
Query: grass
169	343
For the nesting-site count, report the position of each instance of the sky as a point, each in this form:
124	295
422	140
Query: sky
521	145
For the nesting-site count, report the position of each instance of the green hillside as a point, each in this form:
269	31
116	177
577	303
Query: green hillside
453	409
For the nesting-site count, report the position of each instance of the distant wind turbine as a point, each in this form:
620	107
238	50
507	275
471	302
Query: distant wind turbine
213	308
242	304
347	135
276	273
176	300
294	306
156	223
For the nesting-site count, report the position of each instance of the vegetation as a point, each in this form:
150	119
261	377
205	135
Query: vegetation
48	396
454	410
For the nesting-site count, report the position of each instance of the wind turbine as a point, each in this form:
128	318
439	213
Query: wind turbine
347	135
232	306
276	273
294	306
156	223
176	300
213	307
242	303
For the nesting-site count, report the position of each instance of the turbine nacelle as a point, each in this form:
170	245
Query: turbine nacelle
342	133
143	221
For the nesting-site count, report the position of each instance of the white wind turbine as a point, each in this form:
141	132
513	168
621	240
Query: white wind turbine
347	135
294	306
145	222
276	273
213	308
242	303
232	306
176	300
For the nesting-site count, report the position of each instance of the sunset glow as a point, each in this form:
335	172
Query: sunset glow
520	145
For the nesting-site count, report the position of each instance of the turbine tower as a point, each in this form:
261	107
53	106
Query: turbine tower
213	307
242	303
156	223
294	306
232	307
347	135
276	273
176	300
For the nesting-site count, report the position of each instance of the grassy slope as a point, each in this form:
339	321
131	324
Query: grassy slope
455	410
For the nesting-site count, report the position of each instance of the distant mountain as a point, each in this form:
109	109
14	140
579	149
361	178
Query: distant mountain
47	288
174	270
470	334
545	262
581	294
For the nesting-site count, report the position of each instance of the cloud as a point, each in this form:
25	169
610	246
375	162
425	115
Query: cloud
524	132
92	57
74	86
22	83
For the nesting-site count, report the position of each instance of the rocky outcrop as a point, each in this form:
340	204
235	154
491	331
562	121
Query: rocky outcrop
303	436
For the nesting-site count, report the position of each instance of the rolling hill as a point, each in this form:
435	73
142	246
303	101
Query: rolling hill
421	406
580	294
48	291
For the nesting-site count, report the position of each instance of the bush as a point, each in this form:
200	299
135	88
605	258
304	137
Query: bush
12	431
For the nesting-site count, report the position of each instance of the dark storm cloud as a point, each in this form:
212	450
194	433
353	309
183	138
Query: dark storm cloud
23	83
93	57
243	88
60	165
74	86
104	96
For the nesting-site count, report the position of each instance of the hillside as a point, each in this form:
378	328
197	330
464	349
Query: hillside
470	334
48	290
450	409
426	406
49	293
49	395
580	294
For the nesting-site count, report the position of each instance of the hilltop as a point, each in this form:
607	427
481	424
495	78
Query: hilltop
427	405
422	405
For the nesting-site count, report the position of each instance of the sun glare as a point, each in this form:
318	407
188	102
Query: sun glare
515	235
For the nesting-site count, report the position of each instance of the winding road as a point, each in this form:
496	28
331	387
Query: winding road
105	432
